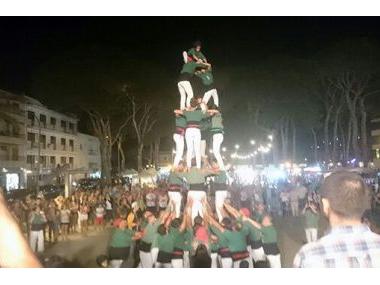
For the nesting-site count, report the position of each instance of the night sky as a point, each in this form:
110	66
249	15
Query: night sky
53	57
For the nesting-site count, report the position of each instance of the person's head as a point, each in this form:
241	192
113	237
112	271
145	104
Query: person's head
227	223
344	197
245	212
161	230
267	221
214	164
244	264
237	225
148	215
201	258
198	221
181	166
194	102
197	45
102	261
176	223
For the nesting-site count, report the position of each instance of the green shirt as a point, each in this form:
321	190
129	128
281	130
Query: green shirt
205	124
121	238
188	239
174	179
217	122
190	67
237	240
178	238
150	234
311	219
198	54
222	240
269	234
254	233
194	117
194	176
180	121
206	77
221	178
165	243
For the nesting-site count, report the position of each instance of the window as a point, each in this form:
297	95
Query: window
71	145
63	160
30	159
43	120
63	125
31	118
376	139
43	141
71	127
63	141
53	121
71	161
52	160
14	153
31	137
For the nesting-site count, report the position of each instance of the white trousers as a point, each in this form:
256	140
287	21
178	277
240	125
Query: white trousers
179	147
274	261
116	263
197	197
193	144
295	208
186	259
203	148
154	251
311	234
258	254
177	263
176	198
214	260
163	265
146	259
186	92
36	240
220	197
226	262
211	93
236	264
217	140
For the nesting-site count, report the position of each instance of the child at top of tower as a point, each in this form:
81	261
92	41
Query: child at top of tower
195	54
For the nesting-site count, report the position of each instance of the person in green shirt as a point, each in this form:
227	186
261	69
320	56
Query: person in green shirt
184	86
219	184
196	178
176	186
269	239
209	89
195	54
179	138
217	133
311	221
120	244
194	117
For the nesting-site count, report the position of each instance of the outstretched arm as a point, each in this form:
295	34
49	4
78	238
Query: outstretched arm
232	211
14	250
178	112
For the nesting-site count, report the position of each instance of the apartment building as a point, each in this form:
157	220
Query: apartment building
39	143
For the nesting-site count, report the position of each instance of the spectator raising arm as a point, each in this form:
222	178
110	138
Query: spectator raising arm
14	250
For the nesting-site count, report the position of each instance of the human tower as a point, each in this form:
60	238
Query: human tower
197	122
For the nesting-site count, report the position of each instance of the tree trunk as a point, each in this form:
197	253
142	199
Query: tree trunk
276	145
364	137
157	151
294	138
315	144
140	148
335	135
326	136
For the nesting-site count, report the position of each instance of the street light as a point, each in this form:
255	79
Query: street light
224	149
237	146
253	142
270	137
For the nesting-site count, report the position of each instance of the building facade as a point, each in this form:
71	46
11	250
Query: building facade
38	144
375	141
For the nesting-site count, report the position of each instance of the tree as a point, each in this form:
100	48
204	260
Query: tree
142	122
108	136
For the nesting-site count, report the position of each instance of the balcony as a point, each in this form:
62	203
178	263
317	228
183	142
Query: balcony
11	138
